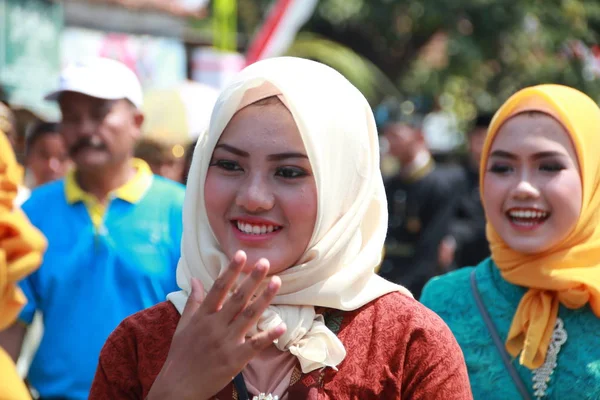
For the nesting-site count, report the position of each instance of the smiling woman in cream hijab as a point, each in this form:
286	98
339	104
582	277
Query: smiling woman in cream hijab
284	222
540	291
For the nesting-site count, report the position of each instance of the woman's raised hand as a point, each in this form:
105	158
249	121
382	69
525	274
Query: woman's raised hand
210	346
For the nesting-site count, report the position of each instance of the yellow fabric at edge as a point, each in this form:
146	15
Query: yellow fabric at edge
21	250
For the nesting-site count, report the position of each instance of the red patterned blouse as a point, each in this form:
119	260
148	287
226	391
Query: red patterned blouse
396	349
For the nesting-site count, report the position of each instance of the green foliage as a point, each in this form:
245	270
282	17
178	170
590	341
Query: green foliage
486	49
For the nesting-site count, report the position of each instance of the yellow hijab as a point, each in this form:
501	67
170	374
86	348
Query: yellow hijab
21	249
569	272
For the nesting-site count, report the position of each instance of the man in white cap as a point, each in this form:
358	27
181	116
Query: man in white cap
113	229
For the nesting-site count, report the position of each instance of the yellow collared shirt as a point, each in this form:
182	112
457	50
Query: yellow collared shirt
132	191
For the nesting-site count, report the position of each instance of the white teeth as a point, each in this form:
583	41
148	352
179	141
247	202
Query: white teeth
528	214
255	229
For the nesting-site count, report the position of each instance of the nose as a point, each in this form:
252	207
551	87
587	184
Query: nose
525	189
255	195
84	126
54	164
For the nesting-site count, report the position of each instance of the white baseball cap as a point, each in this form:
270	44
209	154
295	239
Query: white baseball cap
102	78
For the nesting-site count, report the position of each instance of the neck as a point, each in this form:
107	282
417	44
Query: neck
100	182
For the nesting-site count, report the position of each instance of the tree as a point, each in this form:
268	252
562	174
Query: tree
468	54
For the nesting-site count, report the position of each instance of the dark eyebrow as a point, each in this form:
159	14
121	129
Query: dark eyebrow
503	154
547	154
272	157
285	156
536	156
232	149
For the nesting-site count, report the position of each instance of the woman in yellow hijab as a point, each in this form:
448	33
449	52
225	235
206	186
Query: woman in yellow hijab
21	250
527	318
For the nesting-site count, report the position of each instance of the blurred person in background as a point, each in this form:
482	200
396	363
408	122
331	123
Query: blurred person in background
421	203
22	248
8	125
466	244
46	156
114	230
160	158
187	161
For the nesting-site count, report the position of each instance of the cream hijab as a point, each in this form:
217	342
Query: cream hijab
337	269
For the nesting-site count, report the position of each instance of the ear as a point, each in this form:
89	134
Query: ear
138	120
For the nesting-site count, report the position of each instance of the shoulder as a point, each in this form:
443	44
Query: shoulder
447	178
394	305
404	318
440	294
392	182
134	354
152	325
166	194
413	317
168	187
455	172
49	192
444	287
412	344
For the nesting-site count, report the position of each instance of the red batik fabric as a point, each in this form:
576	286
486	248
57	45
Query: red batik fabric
396	349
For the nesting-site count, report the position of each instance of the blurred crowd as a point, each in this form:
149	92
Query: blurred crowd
436	220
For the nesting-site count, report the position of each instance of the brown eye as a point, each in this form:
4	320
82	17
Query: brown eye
500	169
226	165
290	172
552	167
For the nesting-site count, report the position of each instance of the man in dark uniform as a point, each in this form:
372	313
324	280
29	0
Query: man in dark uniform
467	230
421	203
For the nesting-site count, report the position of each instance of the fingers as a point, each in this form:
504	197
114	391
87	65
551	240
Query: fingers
240	298
193	302
250	315
261	341
217	294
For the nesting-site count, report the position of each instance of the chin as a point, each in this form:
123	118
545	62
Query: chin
275	265
526	247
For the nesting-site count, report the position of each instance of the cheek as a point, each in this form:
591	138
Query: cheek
117	127
36	163
69	137
494	191
215	199
301	210
565	197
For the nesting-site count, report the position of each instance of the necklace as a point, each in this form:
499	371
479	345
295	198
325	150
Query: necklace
542	375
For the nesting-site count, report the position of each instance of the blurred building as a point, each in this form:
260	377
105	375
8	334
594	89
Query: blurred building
39	37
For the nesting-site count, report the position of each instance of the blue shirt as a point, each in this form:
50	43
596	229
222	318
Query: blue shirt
577	375
94	277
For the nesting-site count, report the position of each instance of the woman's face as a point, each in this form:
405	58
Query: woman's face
260	190
532	186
